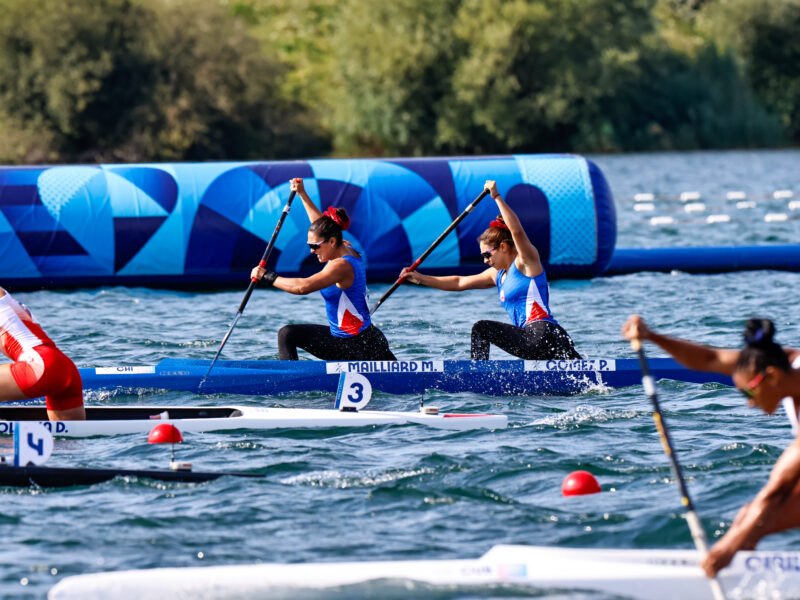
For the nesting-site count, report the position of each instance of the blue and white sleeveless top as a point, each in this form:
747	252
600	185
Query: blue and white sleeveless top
348	313
524	298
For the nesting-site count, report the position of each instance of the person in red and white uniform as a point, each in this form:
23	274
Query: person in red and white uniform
39	367
350	334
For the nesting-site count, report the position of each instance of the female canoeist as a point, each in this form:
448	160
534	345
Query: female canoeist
516	270
342	283
39	368
768	375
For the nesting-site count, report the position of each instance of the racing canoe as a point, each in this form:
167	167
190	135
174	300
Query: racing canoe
493	377
32	475
119	420
640	574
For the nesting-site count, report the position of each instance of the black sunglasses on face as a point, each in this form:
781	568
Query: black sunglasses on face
488	253
314	246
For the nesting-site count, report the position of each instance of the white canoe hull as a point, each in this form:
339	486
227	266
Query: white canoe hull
258	418
640	574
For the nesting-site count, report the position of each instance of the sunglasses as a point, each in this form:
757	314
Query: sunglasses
488	253
316	246
750	389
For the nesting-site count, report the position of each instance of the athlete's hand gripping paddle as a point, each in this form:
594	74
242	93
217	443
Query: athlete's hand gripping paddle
692	519
432	247
253	281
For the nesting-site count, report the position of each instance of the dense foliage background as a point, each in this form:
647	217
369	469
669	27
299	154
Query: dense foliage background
170	80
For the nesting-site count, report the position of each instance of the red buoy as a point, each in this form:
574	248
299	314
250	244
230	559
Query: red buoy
579	483
165	433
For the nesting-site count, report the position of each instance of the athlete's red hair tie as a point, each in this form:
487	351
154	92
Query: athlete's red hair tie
331	212
498	224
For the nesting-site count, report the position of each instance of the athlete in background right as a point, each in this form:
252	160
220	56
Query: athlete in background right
767	375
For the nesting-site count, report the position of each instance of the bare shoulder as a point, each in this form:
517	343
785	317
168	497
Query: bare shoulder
336	264
489	276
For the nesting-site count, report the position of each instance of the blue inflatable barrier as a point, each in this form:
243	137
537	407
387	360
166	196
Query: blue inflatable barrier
709	259
201	225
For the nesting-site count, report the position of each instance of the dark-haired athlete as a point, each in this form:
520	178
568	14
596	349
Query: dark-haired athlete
768	375
342	283
516	270
39	368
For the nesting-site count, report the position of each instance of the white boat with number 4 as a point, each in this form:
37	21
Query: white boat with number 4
116	420
641	574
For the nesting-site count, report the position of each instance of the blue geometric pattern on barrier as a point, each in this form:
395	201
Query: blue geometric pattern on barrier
157	184
137	214
469	177
208	222
77	198
143	198
16	261
435	174
172	239
573	223
446	253
276	174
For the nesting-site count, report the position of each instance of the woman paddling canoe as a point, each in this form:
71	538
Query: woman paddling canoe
39	368
350	334
516	269
767	375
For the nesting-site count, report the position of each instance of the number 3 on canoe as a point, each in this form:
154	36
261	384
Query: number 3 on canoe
354	393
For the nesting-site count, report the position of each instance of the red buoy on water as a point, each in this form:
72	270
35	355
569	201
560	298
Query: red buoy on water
165	433
579	483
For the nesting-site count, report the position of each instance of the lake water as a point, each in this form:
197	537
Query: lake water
410	493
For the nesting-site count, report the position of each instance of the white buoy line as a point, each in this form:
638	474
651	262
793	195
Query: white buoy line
692	204
696	196
714	219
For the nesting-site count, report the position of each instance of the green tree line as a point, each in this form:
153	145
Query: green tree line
171	80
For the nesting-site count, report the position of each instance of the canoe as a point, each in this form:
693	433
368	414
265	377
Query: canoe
493	377
640	574
11	476
120	420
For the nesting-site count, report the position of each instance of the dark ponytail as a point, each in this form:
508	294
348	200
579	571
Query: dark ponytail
760	350
331	224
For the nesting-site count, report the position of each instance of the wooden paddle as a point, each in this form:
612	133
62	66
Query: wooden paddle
427	252
696	528
253	281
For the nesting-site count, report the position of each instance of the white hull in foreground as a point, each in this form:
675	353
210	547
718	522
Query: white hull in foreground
640	574
118	420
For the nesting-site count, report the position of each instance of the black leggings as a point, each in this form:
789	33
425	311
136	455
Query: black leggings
317	340
540	340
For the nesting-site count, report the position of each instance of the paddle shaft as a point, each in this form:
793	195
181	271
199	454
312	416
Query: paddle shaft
253	282
432	247
696	528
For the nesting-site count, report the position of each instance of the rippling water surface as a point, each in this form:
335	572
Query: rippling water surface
410	492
